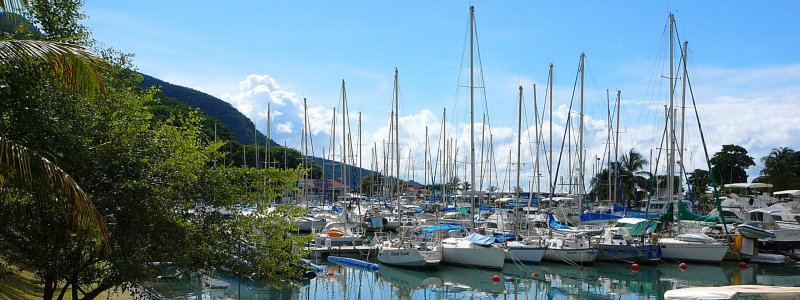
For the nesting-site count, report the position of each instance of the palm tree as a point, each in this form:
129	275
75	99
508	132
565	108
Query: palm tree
23	169
781	168
632	174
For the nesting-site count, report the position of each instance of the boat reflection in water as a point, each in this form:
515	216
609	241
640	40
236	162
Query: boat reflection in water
547	281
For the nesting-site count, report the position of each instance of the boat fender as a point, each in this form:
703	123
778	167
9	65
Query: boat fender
655	238
737	242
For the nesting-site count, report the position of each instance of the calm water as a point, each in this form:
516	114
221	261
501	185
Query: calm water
554	281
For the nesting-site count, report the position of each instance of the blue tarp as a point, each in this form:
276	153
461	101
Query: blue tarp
594	217
523	203
503	237
442	227
480	239
555	225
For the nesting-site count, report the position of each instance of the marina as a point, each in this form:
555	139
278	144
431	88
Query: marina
598	180
547	281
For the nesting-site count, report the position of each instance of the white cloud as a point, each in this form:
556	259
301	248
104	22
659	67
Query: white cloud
285	127
755	108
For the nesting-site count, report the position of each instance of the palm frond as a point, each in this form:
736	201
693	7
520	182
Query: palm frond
48	182
74	65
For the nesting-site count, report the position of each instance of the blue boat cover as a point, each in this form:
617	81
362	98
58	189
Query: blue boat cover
589	217
442	227
503	237
480	239
555	225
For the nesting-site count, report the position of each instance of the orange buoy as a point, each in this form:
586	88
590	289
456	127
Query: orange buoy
495	278
683	266
330	274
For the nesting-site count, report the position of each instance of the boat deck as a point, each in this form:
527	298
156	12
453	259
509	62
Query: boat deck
363	250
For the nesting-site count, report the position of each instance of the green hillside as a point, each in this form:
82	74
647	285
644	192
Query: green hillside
240	125
175	98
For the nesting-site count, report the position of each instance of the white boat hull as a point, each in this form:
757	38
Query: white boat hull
525	253
462	252
578	256
674	249
409	257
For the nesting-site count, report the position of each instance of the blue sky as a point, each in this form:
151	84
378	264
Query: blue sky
744	63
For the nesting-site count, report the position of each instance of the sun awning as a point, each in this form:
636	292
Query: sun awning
787	193
748	185
770	209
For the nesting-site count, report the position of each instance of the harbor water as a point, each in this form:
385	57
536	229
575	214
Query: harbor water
545	281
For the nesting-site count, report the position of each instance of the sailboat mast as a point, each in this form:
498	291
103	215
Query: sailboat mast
344	138
472	111
683	118
550	184
519	148
616	148
608	141
360	156
267	158
305	147
580	143
333	152
670	114
397	138
536	128
425	160
444	152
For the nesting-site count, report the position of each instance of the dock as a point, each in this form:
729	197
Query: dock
321	252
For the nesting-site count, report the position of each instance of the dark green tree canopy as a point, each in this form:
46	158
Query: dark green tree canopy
730	163
782	169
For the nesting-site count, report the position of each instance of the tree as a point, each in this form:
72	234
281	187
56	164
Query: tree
632	174
699	180
599	188
149	178
782	168
729	164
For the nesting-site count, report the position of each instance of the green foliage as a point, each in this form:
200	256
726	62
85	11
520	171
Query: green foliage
59	20
242	128
630	177
782	169
146	166
730	163
699	181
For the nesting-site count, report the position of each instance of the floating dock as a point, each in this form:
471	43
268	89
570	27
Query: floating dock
318	252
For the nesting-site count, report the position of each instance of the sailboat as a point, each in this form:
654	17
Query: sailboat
530	249
567	244
687	246
405	251
473	250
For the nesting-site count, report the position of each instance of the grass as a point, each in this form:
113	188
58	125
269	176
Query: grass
22	285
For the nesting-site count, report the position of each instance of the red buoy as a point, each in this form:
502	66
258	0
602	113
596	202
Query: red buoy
742	265
495	278
330	274
535	274
635	267
683	266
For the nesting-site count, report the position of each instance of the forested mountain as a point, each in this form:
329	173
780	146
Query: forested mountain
240	125
235	124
